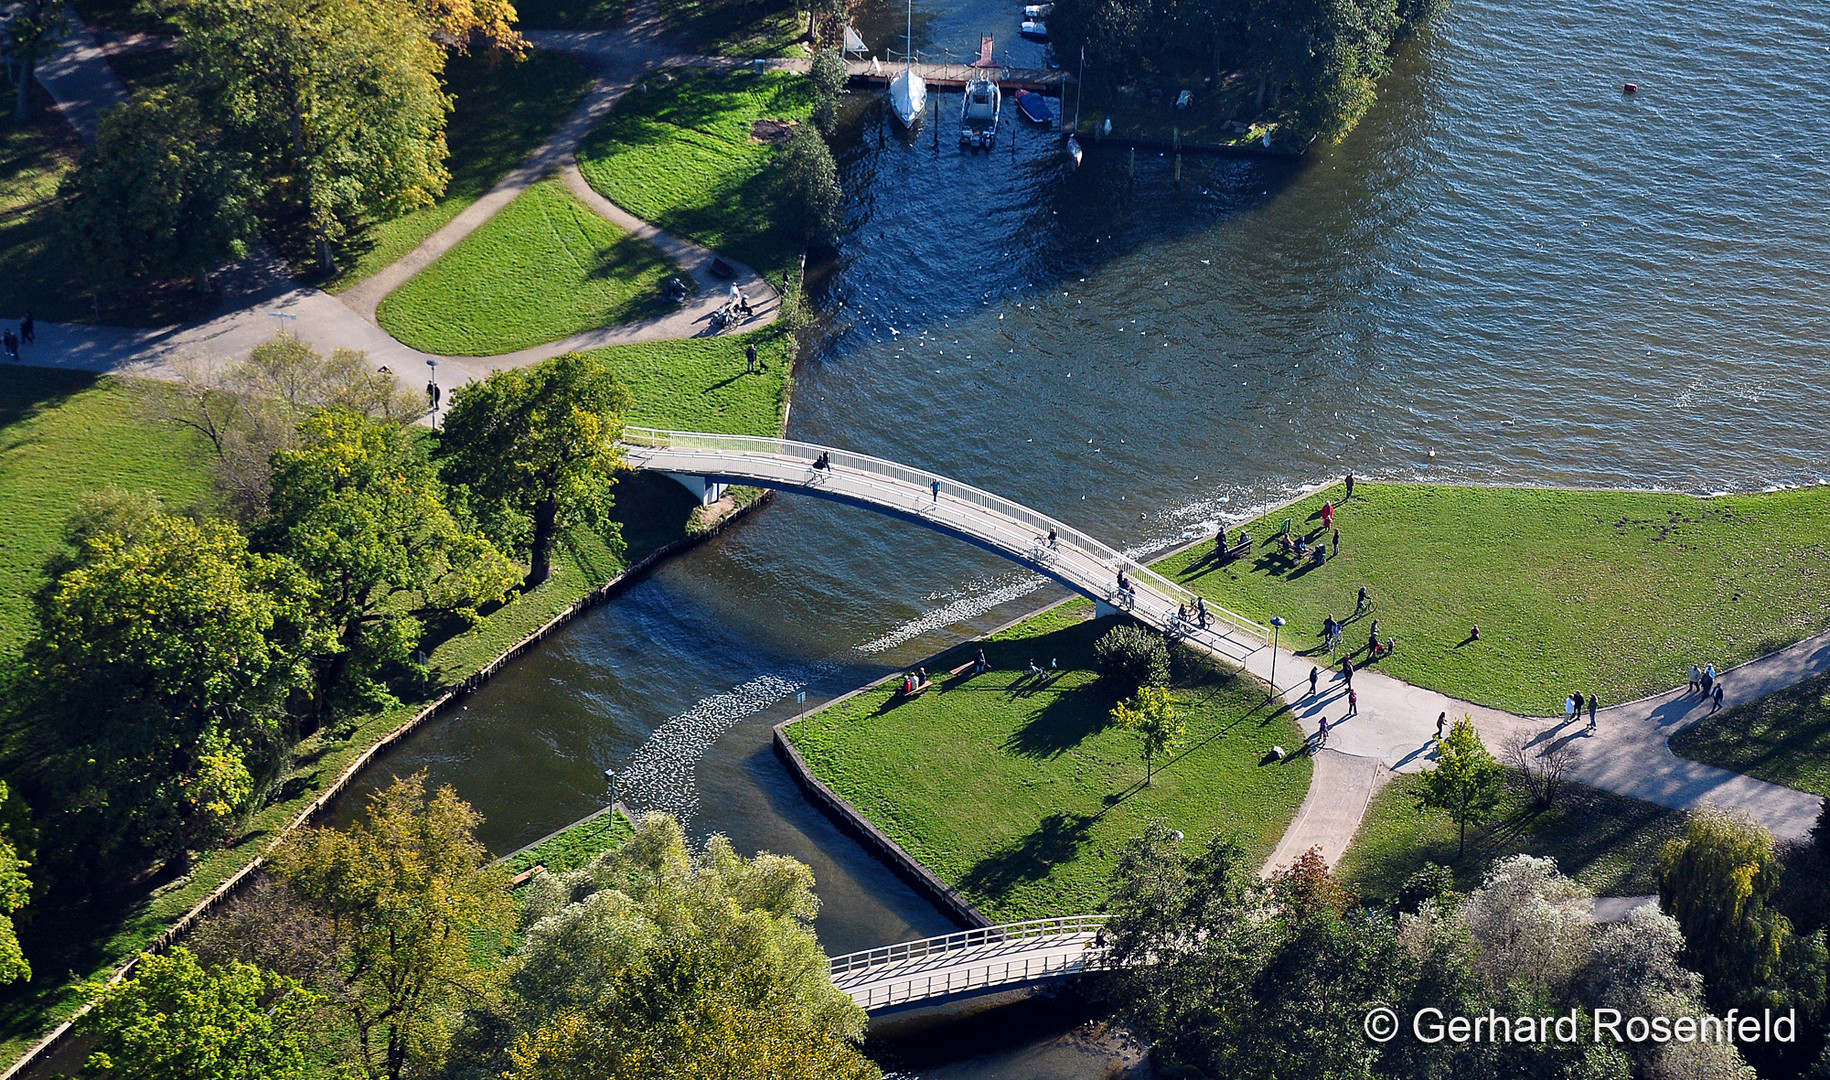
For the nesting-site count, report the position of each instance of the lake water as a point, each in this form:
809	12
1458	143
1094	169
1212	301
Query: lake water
1511	271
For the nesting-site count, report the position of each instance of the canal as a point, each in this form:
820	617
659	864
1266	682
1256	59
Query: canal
1510	272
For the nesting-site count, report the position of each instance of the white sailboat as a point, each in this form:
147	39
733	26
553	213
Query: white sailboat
909	91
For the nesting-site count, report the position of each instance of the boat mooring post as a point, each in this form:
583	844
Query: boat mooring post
1133	167
1176	135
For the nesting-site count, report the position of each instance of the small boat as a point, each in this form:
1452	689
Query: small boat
1035	107
1034	29
1038	11
1073	150
909	91
979	111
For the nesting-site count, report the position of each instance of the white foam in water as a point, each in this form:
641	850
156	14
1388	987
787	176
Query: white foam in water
969	606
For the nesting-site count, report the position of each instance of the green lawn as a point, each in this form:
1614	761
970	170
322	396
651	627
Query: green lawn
1616	592
737	27
62	434
571	14
699	384
545	268
504	111
1021	794
681	156
1784	737
576	846
1608	842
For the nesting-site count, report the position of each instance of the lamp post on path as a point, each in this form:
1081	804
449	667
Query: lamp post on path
1277	624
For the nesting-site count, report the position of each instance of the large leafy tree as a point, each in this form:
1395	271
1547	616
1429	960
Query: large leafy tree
657	963
536	449
15	893
1151	712
338	100
160	195
153	695
807	188
1466	781
417	913
176	1020
359	506
33	30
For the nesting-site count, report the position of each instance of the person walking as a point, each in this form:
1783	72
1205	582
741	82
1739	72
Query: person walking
749	355
935	487
978	664
1337	542
1364	599
1591	712
12	344
28	330
1315	676
1201	610
1324	727
432	395
1578	696
1442	721
1696	679
1353	703
1327	515
1709	676
1569	709
1347	670
1349	486
1716	698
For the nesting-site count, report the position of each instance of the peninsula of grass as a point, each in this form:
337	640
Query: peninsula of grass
1608	842
543	269
1615	592
682	157
573	847
1783	737
504	110
1020	793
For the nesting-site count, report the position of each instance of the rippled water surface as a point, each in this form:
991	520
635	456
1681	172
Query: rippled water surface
1510	263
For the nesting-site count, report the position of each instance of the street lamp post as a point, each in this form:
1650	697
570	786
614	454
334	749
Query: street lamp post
610	775
1277	624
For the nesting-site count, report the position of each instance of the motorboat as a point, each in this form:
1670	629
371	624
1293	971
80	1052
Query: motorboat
1038	11
909	91
1034	106
979	111
1034	29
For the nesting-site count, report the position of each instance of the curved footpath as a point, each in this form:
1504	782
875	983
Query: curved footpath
261	296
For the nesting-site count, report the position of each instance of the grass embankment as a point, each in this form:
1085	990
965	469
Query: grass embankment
544	268
574	847
1784	737
503	112
62	434
571	14
681	156
1020	793
1608	842
1616	592
737	27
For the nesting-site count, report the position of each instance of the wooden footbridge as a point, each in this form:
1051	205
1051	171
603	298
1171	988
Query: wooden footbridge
926	972
707	463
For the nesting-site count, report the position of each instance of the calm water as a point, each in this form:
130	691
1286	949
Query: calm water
1510	263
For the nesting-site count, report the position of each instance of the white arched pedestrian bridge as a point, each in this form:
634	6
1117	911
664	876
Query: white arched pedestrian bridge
706	463
926	972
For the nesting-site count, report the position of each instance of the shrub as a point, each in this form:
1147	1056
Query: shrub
1132	657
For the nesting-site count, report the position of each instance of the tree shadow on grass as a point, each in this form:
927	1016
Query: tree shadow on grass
1064	722
1057	839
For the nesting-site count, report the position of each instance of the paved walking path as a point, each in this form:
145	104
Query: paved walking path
261	296
1628	754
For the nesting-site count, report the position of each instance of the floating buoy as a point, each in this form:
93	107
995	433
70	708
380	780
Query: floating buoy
1632	88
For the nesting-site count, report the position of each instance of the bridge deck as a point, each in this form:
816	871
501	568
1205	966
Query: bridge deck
1076	560
968	962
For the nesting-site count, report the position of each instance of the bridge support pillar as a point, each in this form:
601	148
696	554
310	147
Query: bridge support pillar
704	490
1101	609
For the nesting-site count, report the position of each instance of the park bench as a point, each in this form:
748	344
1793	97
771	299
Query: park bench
962	669
1237	551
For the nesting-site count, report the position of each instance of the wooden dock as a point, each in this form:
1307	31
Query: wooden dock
955	76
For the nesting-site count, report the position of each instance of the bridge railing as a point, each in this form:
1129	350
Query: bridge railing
966	939
955	490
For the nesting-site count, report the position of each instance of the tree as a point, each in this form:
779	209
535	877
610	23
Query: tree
456	23
338	101
1151	713
536	449
1466	781
155	688
807	189
175	1020
360	508
159	195
408	894
1132	656
1719	881
15	893
1541	765
656	963
829	77
34	30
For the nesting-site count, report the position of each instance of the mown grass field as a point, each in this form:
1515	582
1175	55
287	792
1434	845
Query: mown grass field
1613	592
1784	737
545	268
62	434
575	847
702	381
1020	792
1608	842
504	110
681	156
